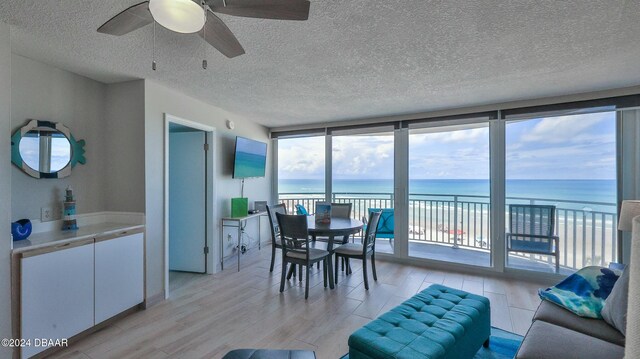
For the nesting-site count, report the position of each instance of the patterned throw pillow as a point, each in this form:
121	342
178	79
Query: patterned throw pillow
584	292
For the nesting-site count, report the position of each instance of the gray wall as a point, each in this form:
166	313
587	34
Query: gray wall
5	187
158	101
43	92
124	147
630	158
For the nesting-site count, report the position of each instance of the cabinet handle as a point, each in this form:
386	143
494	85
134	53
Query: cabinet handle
123	233
63	245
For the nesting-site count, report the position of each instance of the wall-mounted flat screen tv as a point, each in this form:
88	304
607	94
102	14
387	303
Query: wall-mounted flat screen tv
250	158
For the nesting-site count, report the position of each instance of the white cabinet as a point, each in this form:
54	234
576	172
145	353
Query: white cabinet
67	288
119	274
57	293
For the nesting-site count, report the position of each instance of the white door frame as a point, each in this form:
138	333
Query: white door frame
210	133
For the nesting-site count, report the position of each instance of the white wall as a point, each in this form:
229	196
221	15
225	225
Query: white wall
124	147
43	92
5	187
158	101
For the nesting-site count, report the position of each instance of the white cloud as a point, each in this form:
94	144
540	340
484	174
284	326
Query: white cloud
467	135
301	157
564	128
363	156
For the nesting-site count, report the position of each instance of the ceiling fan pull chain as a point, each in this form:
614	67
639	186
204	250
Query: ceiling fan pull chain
204	37
153	63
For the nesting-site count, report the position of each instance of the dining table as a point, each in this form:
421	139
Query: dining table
337	228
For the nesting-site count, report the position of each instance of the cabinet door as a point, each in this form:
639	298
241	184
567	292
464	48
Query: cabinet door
56	293
119	274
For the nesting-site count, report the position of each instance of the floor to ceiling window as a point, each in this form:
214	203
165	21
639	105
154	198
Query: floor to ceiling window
362	174
568	163
467	178
301	172
449	198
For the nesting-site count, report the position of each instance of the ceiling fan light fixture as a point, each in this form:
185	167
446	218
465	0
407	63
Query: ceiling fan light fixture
183	16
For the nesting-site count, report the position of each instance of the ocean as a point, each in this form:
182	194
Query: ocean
545	191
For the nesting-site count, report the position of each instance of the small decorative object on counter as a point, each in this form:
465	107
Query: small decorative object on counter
21	229
69	221
323	213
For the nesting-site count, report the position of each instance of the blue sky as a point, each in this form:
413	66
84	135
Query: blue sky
566	147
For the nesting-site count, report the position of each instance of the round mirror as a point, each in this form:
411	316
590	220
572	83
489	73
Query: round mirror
45	150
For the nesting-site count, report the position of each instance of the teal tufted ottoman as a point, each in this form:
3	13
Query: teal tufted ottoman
439	322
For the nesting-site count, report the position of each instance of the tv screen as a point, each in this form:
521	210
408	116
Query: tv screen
250	158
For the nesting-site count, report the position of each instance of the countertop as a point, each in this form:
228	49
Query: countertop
44	239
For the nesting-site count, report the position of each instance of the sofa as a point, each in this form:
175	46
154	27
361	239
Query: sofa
559	333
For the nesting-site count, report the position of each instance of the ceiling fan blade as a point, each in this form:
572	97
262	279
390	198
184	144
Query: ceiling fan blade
263	9
129	20
218	35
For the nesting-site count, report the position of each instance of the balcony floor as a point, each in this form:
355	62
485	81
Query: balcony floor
468	256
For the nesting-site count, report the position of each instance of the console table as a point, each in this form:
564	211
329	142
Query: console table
237	222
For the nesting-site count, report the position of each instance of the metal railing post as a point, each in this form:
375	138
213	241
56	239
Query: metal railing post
455	221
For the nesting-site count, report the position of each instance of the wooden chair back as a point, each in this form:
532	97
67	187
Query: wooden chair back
369	240
273	221
294	234
341	210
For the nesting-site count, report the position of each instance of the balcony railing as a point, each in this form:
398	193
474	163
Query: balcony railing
587	230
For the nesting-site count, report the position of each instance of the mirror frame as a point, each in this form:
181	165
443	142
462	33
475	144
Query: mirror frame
77	149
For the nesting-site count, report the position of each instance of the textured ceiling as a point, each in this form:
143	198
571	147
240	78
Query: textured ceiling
355	58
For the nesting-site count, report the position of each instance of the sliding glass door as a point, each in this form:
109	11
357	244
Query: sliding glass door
301	172
449	200
569	163
362	174
447	185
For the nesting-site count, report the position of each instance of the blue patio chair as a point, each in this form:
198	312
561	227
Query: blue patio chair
385	225
531	230
300	210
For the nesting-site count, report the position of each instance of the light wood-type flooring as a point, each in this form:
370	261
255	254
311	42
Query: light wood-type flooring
208	315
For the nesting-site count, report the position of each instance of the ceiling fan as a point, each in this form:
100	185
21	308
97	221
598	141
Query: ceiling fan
187	16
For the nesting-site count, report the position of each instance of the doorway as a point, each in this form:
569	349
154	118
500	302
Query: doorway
189	199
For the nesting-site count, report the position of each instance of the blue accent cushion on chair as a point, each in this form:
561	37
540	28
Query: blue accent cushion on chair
300	210
439	322
386	223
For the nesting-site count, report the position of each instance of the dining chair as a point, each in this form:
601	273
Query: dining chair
361	251
294	237
338	210
275	229
341	210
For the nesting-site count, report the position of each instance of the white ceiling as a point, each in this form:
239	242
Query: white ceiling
355	58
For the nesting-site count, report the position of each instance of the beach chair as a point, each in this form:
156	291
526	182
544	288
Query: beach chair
385	225
531	230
